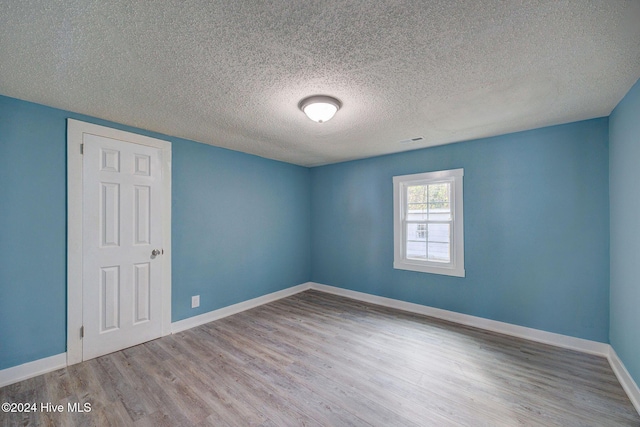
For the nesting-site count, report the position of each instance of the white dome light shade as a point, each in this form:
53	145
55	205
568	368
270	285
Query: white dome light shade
320	108
320	111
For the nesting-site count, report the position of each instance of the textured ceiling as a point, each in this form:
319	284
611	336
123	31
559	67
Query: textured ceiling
231	73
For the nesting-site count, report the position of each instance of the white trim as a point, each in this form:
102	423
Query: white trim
536	335
32	369
42	366
74	243
192	322
626	380
75	131
558	340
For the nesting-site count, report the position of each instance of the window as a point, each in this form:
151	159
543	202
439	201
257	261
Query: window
428	222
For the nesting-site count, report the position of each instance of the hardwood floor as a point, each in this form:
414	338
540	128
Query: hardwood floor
320	360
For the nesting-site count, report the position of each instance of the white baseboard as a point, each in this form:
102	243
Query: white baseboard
32	369
626	380
192	322
558	340
42	366
28	370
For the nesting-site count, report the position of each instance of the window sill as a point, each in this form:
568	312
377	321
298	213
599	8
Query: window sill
422	268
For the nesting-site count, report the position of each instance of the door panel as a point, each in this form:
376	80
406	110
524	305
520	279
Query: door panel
109	300
142	292
142	214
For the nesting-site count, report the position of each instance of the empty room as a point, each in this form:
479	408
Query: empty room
301	213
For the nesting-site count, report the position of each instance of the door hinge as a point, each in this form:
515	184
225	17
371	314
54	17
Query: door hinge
81	148
81	331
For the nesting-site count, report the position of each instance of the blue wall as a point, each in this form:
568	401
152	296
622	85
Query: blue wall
33	234
240	228
536	228
624	193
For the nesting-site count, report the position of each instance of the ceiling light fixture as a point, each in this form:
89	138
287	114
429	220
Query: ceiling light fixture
320	108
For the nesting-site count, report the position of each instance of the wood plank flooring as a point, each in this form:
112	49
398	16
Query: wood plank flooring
316	359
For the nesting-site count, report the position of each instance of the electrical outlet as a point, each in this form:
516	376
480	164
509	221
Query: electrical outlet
195	301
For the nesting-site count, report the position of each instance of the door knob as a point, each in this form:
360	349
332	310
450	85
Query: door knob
156	252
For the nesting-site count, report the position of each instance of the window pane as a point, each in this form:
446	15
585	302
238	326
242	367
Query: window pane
417	202
416	241
439	201
439	242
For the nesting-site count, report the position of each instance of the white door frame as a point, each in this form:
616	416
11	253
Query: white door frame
75	131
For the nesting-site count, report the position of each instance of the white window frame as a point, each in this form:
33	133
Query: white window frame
400	184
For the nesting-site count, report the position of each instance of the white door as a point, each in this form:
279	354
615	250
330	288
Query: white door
122	237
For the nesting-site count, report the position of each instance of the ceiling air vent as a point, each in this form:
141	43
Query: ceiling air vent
409	141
